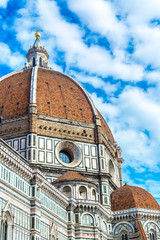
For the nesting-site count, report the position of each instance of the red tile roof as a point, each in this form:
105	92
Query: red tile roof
57	95
70	175
127	197
14	94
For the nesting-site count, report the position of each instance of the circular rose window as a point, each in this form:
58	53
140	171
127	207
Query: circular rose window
68	154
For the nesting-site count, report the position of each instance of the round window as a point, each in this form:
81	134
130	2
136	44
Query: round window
65	156
68	154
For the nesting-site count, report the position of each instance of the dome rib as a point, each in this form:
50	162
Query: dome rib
59	96
106	128
51	93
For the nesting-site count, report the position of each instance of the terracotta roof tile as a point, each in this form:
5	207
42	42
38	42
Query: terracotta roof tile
127	197
70	175
59	96
14	94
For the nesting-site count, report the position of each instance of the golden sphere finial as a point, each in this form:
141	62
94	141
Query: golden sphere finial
37	34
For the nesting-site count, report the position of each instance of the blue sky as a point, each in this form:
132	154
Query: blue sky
113	49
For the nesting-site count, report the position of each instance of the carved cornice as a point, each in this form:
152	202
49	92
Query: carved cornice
137	213
94	207
10	157
65	121
14	119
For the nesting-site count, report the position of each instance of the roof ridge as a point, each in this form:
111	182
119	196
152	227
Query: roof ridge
141	230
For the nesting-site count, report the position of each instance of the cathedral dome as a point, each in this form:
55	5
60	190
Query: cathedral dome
55	94
127	197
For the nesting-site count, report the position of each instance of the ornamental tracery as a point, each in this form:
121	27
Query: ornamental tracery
53	231
123	227
7	222
149	225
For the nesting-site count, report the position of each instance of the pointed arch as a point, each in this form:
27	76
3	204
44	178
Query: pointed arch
53	233
123	226
7	222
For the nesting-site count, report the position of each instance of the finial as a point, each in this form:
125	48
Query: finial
37	34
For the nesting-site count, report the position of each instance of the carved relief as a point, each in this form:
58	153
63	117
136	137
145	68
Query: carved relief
126	227
53	231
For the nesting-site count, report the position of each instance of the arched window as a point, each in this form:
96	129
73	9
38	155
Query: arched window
87	220
34	62
40	62
5	230
67	191
93	195
7	223
124	236
152	235
82	192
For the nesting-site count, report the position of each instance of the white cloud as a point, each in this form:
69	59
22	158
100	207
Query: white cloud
96	82
13	59
107	109
68	38
153	187
134	119
3	3
139	11
135	15
100	16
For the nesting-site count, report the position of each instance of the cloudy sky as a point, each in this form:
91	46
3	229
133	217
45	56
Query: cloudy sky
113	49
